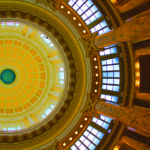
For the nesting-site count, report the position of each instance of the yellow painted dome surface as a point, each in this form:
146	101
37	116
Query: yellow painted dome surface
32	76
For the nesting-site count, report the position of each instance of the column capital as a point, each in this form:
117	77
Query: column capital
89	106
88	43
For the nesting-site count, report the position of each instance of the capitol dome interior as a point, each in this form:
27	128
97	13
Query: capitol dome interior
74	75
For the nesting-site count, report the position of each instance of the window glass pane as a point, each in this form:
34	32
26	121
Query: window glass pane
116	67
109	87
100	135
100	122
73	148
71	2
42	35
86	133
82	138
116	74
11	129
103	62
10	23
51	45
110	74
4	129
114	50
107	52
94	119
18	128
82	147
91	137
92	147
116	81
105	125
104	74
89	128
61	69
104	80
114	99
96	141
87	142
61	75
110	81
61	82
115	60
101	53
108	97
77	143
109	61
104	68
94	131
52	106
110	67
103	23
47	40
43	116
104	87
105	30
116	88
47	112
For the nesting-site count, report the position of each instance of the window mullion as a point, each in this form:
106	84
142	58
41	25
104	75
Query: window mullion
96	126
83	143
81	6
74	4
87	10
91	15
89	139
94	23
113	93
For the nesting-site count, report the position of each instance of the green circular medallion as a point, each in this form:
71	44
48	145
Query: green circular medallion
8	76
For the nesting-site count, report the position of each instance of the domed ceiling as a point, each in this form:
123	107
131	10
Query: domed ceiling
31	76
43	76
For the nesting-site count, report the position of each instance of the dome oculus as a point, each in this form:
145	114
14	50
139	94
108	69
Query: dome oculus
8	76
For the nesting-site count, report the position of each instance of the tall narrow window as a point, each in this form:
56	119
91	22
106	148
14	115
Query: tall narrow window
89	14
111	74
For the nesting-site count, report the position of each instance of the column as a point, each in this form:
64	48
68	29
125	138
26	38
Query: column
131	5
134	143
137	28
134	117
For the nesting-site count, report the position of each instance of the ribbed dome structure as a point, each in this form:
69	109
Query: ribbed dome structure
74	74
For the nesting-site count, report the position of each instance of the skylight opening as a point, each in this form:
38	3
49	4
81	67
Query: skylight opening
86	9
47	40
61	75
12	129
51	45
48	111
10	24
109	98
43	116
110	71
91	137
